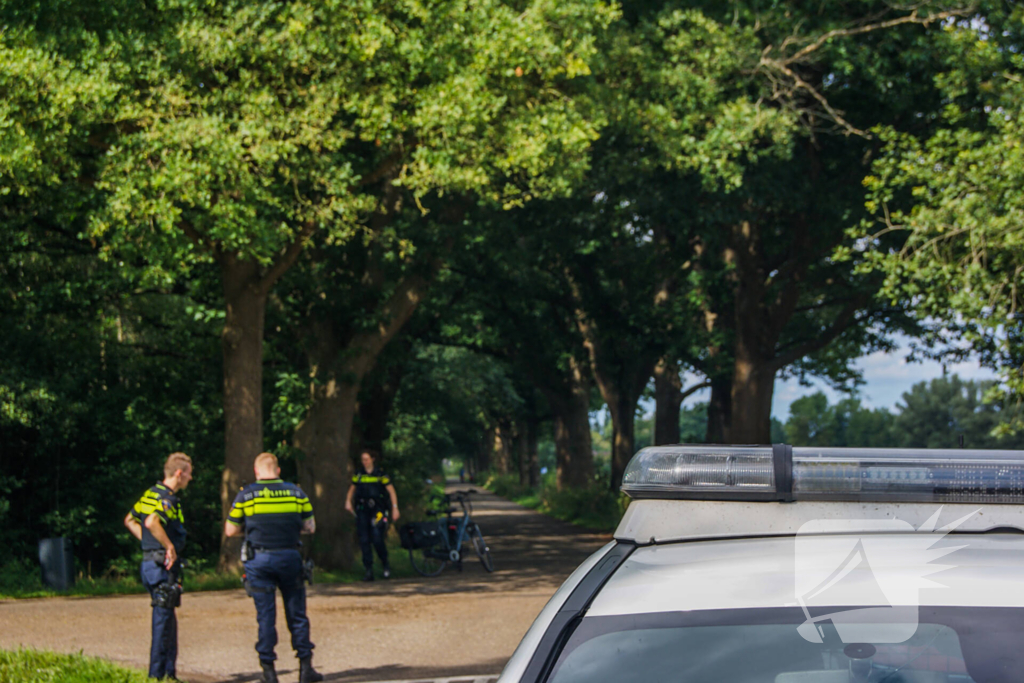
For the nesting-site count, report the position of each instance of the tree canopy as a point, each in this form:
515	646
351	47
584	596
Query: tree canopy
458	229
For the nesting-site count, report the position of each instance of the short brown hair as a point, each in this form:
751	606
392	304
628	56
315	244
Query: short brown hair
265	461
369	451
175	462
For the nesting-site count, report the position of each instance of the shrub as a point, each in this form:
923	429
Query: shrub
506	485
594	507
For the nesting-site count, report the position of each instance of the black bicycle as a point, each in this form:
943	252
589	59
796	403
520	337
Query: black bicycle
433	544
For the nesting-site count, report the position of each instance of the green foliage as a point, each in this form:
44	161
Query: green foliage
101	380
547	163
448	397
693	424
506	485
36	666
958	197
595	507
813	422
253	122
933	415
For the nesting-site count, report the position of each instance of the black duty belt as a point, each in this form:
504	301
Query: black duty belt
258	549
154	555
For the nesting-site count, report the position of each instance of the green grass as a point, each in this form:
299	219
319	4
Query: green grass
594	508
36	666
21	578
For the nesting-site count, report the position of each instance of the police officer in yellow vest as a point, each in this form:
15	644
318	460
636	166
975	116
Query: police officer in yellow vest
157	522
375	505
273	514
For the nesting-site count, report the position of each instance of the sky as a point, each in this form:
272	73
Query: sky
886	377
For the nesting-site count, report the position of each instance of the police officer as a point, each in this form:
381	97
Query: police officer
156	520
376	503
273	514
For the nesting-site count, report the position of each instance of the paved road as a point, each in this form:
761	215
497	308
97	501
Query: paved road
455	627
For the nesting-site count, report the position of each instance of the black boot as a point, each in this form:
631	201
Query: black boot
269	675
368	576
307	674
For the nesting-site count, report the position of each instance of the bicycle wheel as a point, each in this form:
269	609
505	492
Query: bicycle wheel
480	546
427	561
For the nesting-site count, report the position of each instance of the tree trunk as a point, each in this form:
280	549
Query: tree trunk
623	411
502	452
621	375
719	409
376	401
668	395
574	452
325	435
325	471
483	459
529	468
751	400
242	344
574	456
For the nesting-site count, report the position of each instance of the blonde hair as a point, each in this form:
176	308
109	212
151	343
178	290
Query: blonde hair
175	462
266	462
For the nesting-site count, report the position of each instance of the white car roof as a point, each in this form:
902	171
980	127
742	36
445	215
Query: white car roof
885	569
661	521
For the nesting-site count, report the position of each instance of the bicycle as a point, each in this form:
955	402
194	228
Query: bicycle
434	544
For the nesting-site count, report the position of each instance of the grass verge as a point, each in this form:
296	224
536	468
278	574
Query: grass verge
38	666
21	578
594	507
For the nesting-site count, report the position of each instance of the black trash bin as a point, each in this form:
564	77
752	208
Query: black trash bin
57	560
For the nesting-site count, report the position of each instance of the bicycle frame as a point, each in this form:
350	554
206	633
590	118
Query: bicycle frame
453	532
460	527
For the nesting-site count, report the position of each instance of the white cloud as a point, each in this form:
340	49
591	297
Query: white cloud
886	377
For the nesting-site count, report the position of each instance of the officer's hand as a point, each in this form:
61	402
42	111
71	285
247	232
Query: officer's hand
395	514
348	506
170	557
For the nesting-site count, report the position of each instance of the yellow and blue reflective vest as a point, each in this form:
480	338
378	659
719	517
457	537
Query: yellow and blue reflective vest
372	487
161	500
272	512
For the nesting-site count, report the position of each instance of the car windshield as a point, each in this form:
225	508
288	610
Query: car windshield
937	645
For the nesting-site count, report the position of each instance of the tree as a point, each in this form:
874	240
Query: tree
499	302
933	414
957	196
813	422
762	114
669	396
936	414
256	126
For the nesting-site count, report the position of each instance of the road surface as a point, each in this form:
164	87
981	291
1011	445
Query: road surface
456	628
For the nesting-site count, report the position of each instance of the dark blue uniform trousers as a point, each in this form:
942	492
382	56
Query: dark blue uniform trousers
370	537
264	573
163	649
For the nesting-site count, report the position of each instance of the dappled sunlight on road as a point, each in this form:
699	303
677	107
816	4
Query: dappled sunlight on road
459	624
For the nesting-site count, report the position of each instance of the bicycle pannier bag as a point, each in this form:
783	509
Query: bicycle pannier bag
419	535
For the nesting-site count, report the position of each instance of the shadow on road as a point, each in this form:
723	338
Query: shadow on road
529	551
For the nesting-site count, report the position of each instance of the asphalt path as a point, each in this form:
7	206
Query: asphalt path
456	628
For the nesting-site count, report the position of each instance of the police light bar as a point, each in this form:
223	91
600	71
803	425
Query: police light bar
784	473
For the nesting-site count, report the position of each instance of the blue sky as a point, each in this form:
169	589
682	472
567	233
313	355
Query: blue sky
886	377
